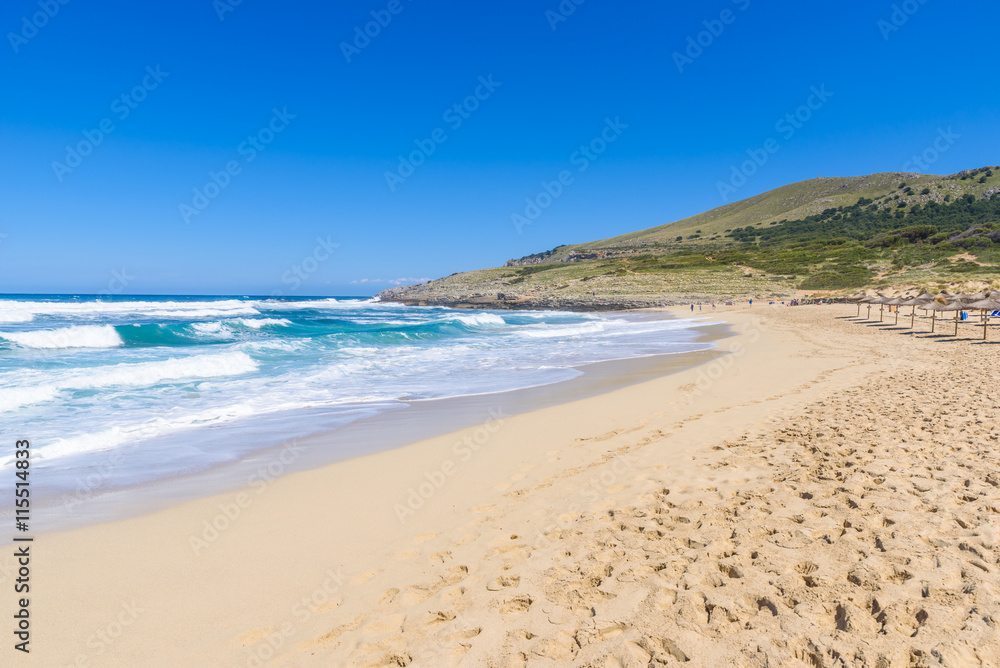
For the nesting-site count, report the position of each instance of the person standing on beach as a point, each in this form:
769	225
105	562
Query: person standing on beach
692	307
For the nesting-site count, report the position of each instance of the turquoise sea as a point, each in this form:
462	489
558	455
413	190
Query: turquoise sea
128	390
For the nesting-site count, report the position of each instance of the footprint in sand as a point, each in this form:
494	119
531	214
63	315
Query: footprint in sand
467	538
428	621
424	537
366	576
452	594
515	605
502	582
384	625
464	634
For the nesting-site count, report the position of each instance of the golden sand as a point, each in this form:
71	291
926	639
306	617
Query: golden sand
824	495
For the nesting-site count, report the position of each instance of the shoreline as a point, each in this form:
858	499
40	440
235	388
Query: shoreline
146	557
681	516
403	424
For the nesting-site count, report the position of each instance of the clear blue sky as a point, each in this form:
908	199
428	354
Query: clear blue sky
323	174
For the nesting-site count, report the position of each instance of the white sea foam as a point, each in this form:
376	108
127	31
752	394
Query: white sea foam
166	309
142	374
264	322
269	345
248	369
207	327
554	332
118	435
197	313
16	397
310	304
79	336
480	319
8	314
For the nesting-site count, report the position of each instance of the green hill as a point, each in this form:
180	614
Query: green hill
825	234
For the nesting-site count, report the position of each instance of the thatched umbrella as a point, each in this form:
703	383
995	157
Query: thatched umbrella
869	301
857	298
986	306
897	302
940	304
881	301
915	302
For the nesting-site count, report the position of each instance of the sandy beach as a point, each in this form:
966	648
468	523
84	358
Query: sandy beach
825	493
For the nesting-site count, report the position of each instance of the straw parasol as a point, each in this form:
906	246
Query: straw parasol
857	298
881	301
941	304
915	302
869	301
986	306
897	302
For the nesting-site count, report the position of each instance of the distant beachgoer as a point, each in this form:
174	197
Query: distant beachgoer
692	307
713	306
751	302
699	307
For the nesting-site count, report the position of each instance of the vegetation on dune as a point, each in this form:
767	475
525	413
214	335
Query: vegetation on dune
842	247
833	234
